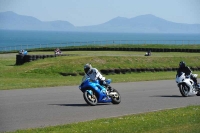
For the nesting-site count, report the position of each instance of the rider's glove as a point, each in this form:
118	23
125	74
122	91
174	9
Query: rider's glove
187	76
104	82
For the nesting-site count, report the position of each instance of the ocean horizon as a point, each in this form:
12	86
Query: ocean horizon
32	39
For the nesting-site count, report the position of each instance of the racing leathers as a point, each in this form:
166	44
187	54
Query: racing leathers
187	72
94	74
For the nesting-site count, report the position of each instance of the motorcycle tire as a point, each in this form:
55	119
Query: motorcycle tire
116	100
198	94
184	90
90	99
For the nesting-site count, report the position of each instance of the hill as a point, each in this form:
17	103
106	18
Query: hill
140	24
12	21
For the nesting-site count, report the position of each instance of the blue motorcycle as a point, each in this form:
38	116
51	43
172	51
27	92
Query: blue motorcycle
94	93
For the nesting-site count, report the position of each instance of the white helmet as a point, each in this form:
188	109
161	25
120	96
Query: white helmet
87	68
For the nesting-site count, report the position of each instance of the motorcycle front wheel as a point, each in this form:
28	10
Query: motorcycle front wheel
116	99
198	94
184	90
90	99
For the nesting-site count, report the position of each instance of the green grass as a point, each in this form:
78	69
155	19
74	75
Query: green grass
21	81
46	72
162	46
180	120
148	46
170	46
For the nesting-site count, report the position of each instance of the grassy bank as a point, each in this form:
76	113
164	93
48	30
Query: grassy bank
46	72
162	46
119	47
173	120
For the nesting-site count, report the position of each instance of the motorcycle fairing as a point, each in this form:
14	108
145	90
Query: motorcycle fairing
181	78
97	89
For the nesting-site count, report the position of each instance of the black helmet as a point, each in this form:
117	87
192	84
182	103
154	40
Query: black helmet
182	64
87	68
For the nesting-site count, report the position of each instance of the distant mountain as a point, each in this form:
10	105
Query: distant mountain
12	21
140	24
143	24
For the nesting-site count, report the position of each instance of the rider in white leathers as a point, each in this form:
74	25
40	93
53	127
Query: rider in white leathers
94	74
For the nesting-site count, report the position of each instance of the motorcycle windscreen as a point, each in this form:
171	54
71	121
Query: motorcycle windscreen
108	81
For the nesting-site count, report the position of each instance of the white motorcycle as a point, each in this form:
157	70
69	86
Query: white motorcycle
186	85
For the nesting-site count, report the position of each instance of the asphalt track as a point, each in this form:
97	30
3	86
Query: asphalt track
40	107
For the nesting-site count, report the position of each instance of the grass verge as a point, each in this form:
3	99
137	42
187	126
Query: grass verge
23	81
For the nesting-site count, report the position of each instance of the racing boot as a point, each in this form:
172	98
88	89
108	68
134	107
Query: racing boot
196	86
108	87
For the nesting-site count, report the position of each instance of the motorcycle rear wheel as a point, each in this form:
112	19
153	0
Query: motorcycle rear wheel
116	100
184	90
90	99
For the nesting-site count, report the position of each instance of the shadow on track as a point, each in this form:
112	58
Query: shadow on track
77	105
170	96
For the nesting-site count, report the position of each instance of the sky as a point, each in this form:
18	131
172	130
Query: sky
94	12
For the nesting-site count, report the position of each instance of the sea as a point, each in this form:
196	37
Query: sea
16	39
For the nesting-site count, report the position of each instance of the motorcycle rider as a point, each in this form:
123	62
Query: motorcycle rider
187	71
94	74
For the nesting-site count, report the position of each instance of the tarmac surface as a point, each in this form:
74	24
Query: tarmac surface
41	107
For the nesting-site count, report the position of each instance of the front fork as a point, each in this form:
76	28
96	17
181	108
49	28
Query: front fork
197	88
91	94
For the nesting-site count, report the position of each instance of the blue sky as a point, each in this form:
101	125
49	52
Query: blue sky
93	12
